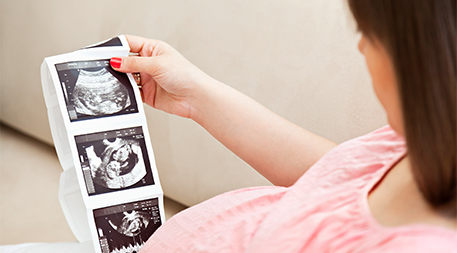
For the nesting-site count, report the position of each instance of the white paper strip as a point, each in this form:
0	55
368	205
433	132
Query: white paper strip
109	191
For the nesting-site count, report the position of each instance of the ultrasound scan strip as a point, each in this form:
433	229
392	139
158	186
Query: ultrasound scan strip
92	89
114	160
110	190
125	228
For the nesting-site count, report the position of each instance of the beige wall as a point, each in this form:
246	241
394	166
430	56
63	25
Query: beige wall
298	58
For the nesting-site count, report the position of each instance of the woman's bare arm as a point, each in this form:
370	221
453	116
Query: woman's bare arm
278	149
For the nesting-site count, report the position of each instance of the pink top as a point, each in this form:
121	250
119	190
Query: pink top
326	210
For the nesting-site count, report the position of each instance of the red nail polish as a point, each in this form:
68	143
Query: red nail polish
115	62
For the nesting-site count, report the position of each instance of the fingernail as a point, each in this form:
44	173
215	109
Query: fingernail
115	62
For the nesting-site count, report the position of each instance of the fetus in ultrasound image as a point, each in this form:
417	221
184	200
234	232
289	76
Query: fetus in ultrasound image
92	89
114	160
99	93
118	164
125	228
133	223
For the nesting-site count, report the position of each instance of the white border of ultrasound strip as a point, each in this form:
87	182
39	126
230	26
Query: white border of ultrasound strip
64	132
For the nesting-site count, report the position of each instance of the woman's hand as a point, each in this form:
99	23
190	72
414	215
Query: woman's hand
169	80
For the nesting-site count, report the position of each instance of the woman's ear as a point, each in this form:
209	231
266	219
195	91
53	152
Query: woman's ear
362	43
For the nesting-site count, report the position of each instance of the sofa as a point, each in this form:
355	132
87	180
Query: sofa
298	58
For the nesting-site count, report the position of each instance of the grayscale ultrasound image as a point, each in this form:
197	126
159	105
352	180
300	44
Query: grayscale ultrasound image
114	160
133	223
99	93
125	228
92	89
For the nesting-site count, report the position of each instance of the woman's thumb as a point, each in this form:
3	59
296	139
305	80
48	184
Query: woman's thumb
131	64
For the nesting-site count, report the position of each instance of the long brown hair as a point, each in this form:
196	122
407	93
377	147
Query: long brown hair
420	36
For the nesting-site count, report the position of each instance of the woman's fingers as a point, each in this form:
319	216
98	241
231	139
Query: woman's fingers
140	45
149	89
132	64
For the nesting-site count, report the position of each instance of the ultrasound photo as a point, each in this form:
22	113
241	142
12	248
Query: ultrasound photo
114	160
125	228
92	89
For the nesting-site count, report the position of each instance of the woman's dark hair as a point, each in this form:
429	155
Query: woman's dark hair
420	36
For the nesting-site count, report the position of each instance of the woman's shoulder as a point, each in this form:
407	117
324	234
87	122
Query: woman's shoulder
384	135
365	154
382	140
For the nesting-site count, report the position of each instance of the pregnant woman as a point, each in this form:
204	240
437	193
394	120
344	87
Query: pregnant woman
393	190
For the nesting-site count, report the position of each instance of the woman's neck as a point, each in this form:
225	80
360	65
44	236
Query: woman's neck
396	200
